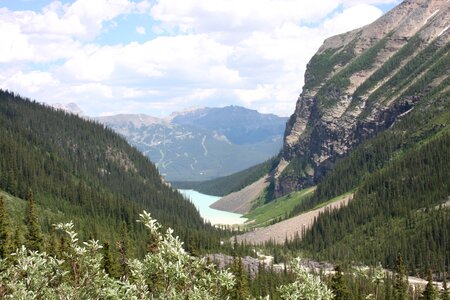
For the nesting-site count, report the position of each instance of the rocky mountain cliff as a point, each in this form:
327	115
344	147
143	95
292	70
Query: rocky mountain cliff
359	83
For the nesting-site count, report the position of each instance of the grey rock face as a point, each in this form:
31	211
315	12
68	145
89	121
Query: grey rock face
359	83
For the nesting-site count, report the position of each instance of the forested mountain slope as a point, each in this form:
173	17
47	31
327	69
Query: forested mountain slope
374	119
401	186
360	83
87	172
400	208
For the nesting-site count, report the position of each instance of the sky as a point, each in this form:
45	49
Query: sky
160	56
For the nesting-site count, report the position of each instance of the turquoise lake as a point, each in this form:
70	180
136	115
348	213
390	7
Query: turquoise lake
214	216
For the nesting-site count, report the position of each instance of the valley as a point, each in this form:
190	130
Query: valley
346	199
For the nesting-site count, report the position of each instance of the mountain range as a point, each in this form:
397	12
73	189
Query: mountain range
202	143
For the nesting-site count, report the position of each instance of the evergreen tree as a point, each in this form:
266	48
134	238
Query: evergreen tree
4	230
33	235
388	289
63	157
17	240
338	286
123	248
401	281
52	244
430	292
445	294
191	248
152	243
241	289
62	246
107	263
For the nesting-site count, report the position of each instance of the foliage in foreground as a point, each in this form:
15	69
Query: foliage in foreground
166	272
307	286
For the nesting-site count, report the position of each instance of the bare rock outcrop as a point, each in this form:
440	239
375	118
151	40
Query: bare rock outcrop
359	83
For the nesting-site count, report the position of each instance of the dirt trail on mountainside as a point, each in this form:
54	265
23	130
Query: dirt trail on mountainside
288	228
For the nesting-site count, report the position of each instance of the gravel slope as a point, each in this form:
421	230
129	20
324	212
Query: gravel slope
288	228
241	201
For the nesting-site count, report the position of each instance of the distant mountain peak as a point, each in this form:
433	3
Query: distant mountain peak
137	120
202	143
185	111
71	107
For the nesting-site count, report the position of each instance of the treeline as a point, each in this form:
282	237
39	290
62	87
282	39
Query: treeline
89	173
231	183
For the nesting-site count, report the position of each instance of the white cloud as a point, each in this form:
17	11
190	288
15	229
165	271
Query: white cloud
93	13
14	46
352	17
373	2
91	64
237	15
140	30
92	90
286	57
29	83
206	52
195	59
57	32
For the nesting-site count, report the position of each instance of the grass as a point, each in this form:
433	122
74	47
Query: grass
15	208
338	198
279	208
48	216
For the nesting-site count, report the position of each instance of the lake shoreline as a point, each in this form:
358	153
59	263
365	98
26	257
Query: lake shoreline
216	217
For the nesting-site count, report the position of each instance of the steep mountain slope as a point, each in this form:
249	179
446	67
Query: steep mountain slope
374	120
398	209
360	83
204	143
86	172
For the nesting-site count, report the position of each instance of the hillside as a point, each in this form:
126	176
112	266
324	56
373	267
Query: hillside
205	143
233	183
373	119
398	209
360	83
86	172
